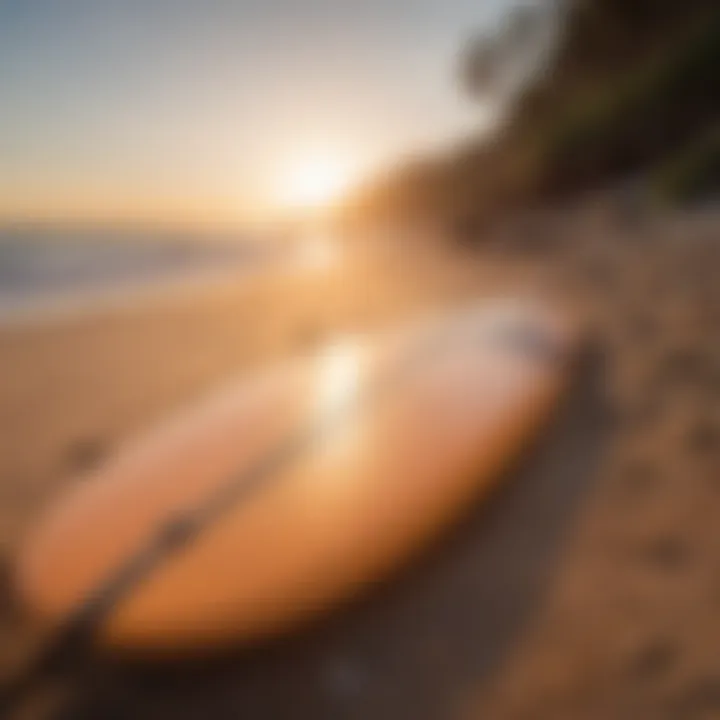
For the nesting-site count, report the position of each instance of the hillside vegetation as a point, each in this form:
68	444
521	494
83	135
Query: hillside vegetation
631	93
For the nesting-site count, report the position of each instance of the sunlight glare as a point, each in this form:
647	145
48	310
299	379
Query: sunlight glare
338	376
317	182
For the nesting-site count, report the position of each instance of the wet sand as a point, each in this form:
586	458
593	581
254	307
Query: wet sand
587	587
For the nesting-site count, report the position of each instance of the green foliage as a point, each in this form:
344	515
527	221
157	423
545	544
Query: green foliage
630	84
691	172
634	118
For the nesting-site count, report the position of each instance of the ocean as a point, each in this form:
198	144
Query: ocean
46	267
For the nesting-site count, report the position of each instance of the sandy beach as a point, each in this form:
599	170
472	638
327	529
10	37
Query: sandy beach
587	588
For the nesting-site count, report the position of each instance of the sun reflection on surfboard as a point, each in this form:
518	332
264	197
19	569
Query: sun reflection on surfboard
338	380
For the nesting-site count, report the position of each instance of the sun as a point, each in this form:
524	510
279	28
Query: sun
317	182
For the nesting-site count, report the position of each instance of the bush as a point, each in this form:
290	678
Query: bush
634	119
692	172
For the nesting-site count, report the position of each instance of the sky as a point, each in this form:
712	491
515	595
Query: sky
214	109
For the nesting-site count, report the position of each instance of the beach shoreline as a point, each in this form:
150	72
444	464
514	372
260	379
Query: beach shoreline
626	613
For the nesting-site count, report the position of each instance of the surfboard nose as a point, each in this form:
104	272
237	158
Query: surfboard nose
534	330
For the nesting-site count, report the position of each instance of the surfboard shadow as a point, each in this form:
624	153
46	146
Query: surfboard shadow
419	644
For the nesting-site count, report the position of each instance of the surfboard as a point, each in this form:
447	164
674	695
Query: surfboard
276	498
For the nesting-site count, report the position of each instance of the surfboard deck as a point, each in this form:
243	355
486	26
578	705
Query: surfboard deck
389	440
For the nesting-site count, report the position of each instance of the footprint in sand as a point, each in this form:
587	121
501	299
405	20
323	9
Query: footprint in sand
666	552
85	453
654	659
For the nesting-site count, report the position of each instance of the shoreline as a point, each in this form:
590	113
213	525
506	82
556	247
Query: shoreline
49	307
620	610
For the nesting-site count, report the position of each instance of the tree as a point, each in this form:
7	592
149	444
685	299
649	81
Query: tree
498	63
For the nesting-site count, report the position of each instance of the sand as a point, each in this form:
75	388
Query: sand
587	588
